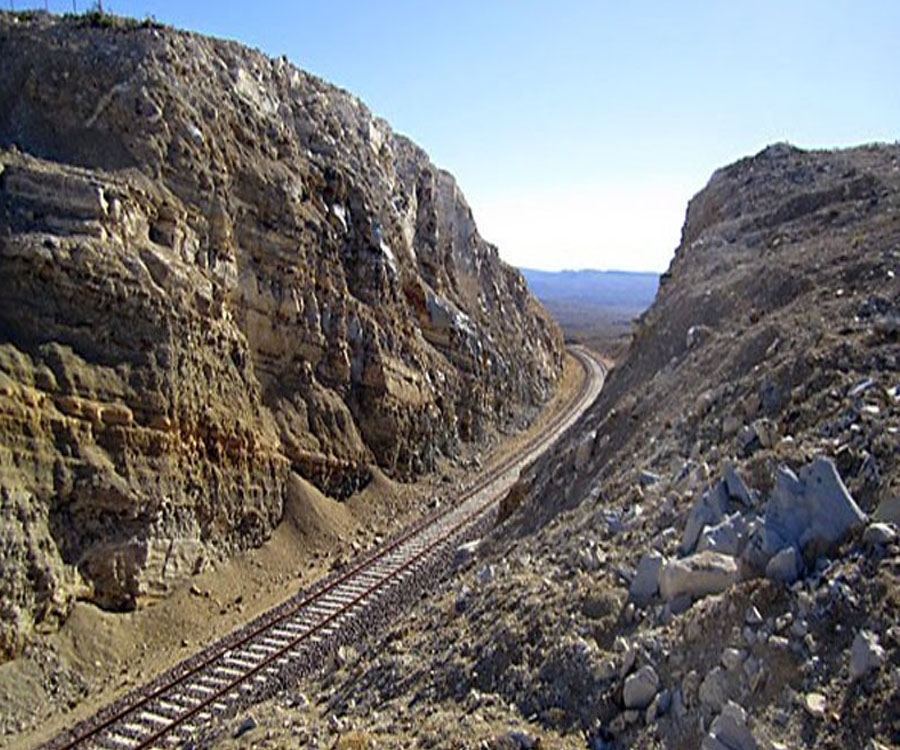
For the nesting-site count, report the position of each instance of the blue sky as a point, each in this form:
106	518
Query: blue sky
578	130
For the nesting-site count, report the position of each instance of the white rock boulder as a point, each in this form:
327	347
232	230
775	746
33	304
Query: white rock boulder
698	575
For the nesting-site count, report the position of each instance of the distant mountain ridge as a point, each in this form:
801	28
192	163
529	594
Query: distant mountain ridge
594	307
627	289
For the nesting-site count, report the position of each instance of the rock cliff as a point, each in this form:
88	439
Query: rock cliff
216	270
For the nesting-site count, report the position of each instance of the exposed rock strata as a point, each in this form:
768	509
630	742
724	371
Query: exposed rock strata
216	270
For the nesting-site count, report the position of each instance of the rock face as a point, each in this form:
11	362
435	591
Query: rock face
216	270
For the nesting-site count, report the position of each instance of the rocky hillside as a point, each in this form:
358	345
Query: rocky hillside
218	272
711	559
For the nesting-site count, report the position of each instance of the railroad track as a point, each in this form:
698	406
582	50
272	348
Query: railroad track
184	705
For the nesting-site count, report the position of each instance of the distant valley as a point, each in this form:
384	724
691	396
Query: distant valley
594	307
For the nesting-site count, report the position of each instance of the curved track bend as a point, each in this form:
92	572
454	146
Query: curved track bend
185	704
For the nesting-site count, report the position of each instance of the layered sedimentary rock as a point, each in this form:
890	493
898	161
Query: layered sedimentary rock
215	270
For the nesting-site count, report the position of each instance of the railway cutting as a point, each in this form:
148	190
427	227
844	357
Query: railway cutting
187	703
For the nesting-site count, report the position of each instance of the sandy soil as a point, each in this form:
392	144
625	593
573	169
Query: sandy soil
99	656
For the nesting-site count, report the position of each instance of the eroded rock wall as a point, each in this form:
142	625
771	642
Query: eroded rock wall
215	270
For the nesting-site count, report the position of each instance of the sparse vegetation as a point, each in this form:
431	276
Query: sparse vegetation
99	20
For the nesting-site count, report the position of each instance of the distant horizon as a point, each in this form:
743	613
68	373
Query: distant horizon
582	125
590	270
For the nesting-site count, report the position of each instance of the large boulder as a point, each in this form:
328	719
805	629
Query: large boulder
811	510
698	575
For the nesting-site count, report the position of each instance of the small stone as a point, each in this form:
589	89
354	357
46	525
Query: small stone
879	534
751	666
584	451
815	705
782	621
782	717
640	688
690	687
785	565
298	700
714	689
655	710
486	574
860	388
730	425
465	553
753	616
606	669
628	658
732	659
247	725
762	433
645	584
648	478
618	725
866	654
520	741
729	730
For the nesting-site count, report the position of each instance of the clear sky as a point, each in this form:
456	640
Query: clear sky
578	130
